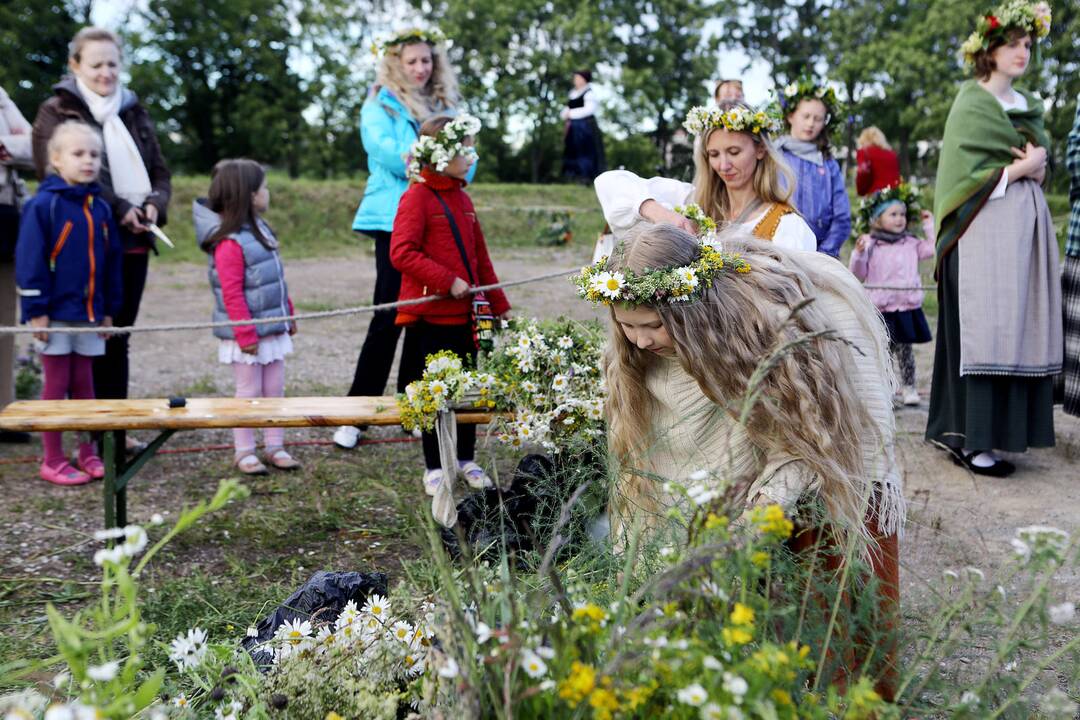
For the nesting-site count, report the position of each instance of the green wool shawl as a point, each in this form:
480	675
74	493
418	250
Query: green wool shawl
977	147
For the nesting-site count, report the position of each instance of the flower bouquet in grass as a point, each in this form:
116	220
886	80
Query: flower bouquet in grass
554	227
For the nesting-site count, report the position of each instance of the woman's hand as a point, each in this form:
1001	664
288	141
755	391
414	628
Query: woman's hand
251	349
1030	162
657	214
459	289
862	243
150	211
132	220
41	321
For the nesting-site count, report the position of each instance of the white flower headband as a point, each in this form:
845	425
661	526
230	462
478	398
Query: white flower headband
736	119
438	150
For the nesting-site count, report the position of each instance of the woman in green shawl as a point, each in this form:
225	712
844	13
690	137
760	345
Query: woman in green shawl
999	337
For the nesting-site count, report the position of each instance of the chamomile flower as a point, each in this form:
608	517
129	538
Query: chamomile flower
608	284
188	651
401	631
565	342
104	672
377	607
694	695
531	663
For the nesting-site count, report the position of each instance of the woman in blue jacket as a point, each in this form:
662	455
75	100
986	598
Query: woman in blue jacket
810	110
414	81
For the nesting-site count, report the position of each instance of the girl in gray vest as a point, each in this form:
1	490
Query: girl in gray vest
248	281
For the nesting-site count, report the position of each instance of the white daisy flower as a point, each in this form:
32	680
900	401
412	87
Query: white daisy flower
401	631
104	672
565	342
735	685
692	695
189	651
532	664
377	607
711	663
483	633
560	383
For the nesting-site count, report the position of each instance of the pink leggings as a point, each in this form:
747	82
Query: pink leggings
254	381
66	376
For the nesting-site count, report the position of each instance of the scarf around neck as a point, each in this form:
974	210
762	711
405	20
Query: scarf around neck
809	151
130	180
887	237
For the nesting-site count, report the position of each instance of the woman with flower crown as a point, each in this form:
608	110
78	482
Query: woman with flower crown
810	109
414	81
999	337
737	182
691	328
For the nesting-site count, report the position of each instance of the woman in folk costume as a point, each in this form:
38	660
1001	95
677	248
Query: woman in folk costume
583	155
1070	276
999	338
690	326
134	178
738	182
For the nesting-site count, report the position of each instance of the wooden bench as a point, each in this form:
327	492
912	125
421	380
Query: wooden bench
115	417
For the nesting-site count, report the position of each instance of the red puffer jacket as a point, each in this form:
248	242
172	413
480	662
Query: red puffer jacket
423	250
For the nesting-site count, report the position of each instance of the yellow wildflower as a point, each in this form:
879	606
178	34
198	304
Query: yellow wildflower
714	521
771	521
592	615
736	636
636	697
604	703
863	701
579	685
742	615
782	697
760	558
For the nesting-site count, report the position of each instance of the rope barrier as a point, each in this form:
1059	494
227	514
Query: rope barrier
322	314
890	287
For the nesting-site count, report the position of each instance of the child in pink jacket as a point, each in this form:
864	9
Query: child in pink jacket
888	257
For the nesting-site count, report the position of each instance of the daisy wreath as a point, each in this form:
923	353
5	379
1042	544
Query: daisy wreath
598	284
434	36
736	119
789	97
1033	18
438	150
904	192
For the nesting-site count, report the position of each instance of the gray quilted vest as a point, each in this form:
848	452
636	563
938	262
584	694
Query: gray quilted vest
265	290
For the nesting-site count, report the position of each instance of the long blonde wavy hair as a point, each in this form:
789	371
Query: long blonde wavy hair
808	407
438	95
710	191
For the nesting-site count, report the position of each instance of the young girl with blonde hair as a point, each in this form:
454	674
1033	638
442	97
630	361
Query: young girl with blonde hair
691	327
738	181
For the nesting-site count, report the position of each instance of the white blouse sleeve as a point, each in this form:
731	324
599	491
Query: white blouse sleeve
1001	187
589	108
794	234
621	194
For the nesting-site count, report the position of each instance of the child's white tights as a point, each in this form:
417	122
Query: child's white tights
254	381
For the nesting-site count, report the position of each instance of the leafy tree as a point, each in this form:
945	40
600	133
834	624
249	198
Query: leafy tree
34	40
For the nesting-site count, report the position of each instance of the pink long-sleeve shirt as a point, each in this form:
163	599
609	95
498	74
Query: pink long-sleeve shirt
229	261
894	265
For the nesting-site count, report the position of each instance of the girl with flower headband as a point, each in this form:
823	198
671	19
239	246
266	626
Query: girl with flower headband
439	249
737	182
887	256
414	81
689	327
809	111
999	342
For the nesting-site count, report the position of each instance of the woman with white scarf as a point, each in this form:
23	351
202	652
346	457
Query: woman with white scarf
134	177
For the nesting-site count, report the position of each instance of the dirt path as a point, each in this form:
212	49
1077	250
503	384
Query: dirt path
956	519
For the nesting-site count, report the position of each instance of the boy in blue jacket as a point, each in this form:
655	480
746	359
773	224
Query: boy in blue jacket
67	267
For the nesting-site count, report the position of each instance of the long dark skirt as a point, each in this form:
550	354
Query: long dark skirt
583	156
982	412
1070	301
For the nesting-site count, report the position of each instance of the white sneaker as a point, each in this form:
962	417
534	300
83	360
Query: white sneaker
474	475
911	396
432	480
347	436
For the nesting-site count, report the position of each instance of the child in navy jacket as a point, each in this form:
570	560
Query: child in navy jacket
67	267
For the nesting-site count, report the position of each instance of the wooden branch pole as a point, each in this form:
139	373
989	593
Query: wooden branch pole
114	418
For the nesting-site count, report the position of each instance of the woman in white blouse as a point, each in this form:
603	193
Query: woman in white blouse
583	153
737	182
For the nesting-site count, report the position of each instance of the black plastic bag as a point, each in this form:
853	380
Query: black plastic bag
323	596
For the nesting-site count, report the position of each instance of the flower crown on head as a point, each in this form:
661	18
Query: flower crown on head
439	149
904	192
434	36
684	283
736	119
1033	18
789	97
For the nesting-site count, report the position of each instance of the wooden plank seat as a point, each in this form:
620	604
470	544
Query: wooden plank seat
115	417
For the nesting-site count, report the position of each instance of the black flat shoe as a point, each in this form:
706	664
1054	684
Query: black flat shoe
13	437
1000	468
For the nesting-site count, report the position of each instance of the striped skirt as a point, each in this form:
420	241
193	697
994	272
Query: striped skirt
1070	301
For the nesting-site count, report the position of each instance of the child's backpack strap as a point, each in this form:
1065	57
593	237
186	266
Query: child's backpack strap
455	232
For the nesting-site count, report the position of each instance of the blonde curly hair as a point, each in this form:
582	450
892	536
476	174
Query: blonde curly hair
438	95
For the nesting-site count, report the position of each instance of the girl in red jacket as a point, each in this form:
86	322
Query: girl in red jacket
439	249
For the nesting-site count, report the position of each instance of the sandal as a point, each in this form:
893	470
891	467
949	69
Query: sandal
474	475
432	480
92	466
283	460
250	465
63	475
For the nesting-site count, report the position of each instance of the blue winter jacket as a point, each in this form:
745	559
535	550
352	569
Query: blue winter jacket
821	198
387	130
68	256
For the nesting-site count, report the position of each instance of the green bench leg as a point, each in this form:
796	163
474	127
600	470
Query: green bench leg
119	473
